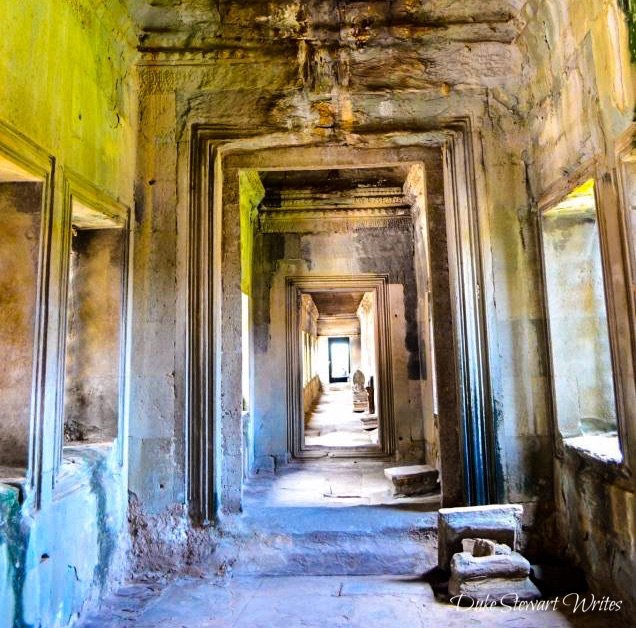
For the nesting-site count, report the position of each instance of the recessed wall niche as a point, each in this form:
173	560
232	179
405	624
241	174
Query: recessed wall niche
21	203
94	328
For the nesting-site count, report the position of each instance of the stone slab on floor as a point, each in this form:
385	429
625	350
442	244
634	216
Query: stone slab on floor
417	479
498	522
489	573
491	578
495	590
468	567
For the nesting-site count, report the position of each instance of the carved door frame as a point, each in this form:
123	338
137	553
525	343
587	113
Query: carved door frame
213	405
378	284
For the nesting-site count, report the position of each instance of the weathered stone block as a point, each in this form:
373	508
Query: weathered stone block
498	522
484	547
492	578
413	479
494	590
465	566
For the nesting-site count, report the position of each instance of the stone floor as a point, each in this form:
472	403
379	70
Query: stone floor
321	602
333	423
330	482
280	557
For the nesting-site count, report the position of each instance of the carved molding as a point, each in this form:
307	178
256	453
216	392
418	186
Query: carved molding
302	211
361	192
316	222
317	202
177	57
391	198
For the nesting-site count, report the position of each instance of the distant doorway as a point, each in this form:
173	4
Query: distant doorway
340	389
339	360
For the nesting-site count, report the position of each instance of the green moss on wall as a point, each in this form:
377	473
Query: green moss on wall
66	82
629	8
14	536
251	194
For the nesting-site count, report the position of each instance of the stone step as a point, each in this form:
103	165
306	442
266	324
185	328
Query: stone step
351	541
415	479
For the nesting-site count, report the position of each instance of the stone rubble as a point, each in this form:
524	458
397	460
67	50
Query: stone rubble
491	577
499	522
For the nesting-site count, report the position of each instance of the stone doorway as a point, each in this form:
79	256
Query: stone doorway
216	252
336	418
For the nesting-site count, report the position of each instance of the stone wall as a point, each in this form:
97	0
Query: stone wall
544	89
309	341
366	314
580	103
313	76
73	549
67	82
67	85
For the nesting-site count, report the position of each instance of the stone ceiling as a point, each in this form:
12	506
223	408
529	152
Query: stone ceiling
276	182
336	303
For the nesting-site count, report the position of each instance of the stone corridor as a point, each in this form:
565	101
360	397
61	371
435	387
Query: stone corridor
225	225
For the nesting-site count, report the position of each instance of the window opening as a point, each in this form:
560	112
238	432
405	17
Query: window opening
582	370
94	331
21	199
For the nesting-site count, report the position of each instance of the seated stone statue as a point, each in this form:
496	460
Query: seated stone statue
360	396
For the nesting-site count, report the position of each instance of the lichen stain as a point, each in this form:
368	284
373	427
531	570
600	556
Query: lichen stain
14	534
106	535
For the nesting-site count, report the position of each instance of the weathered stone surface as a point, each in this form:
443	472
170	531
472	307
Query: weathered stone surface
501	523
490	577
329	541
486	547
20	205
547	86
465	566
495	590
483	547
413	479
367	601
